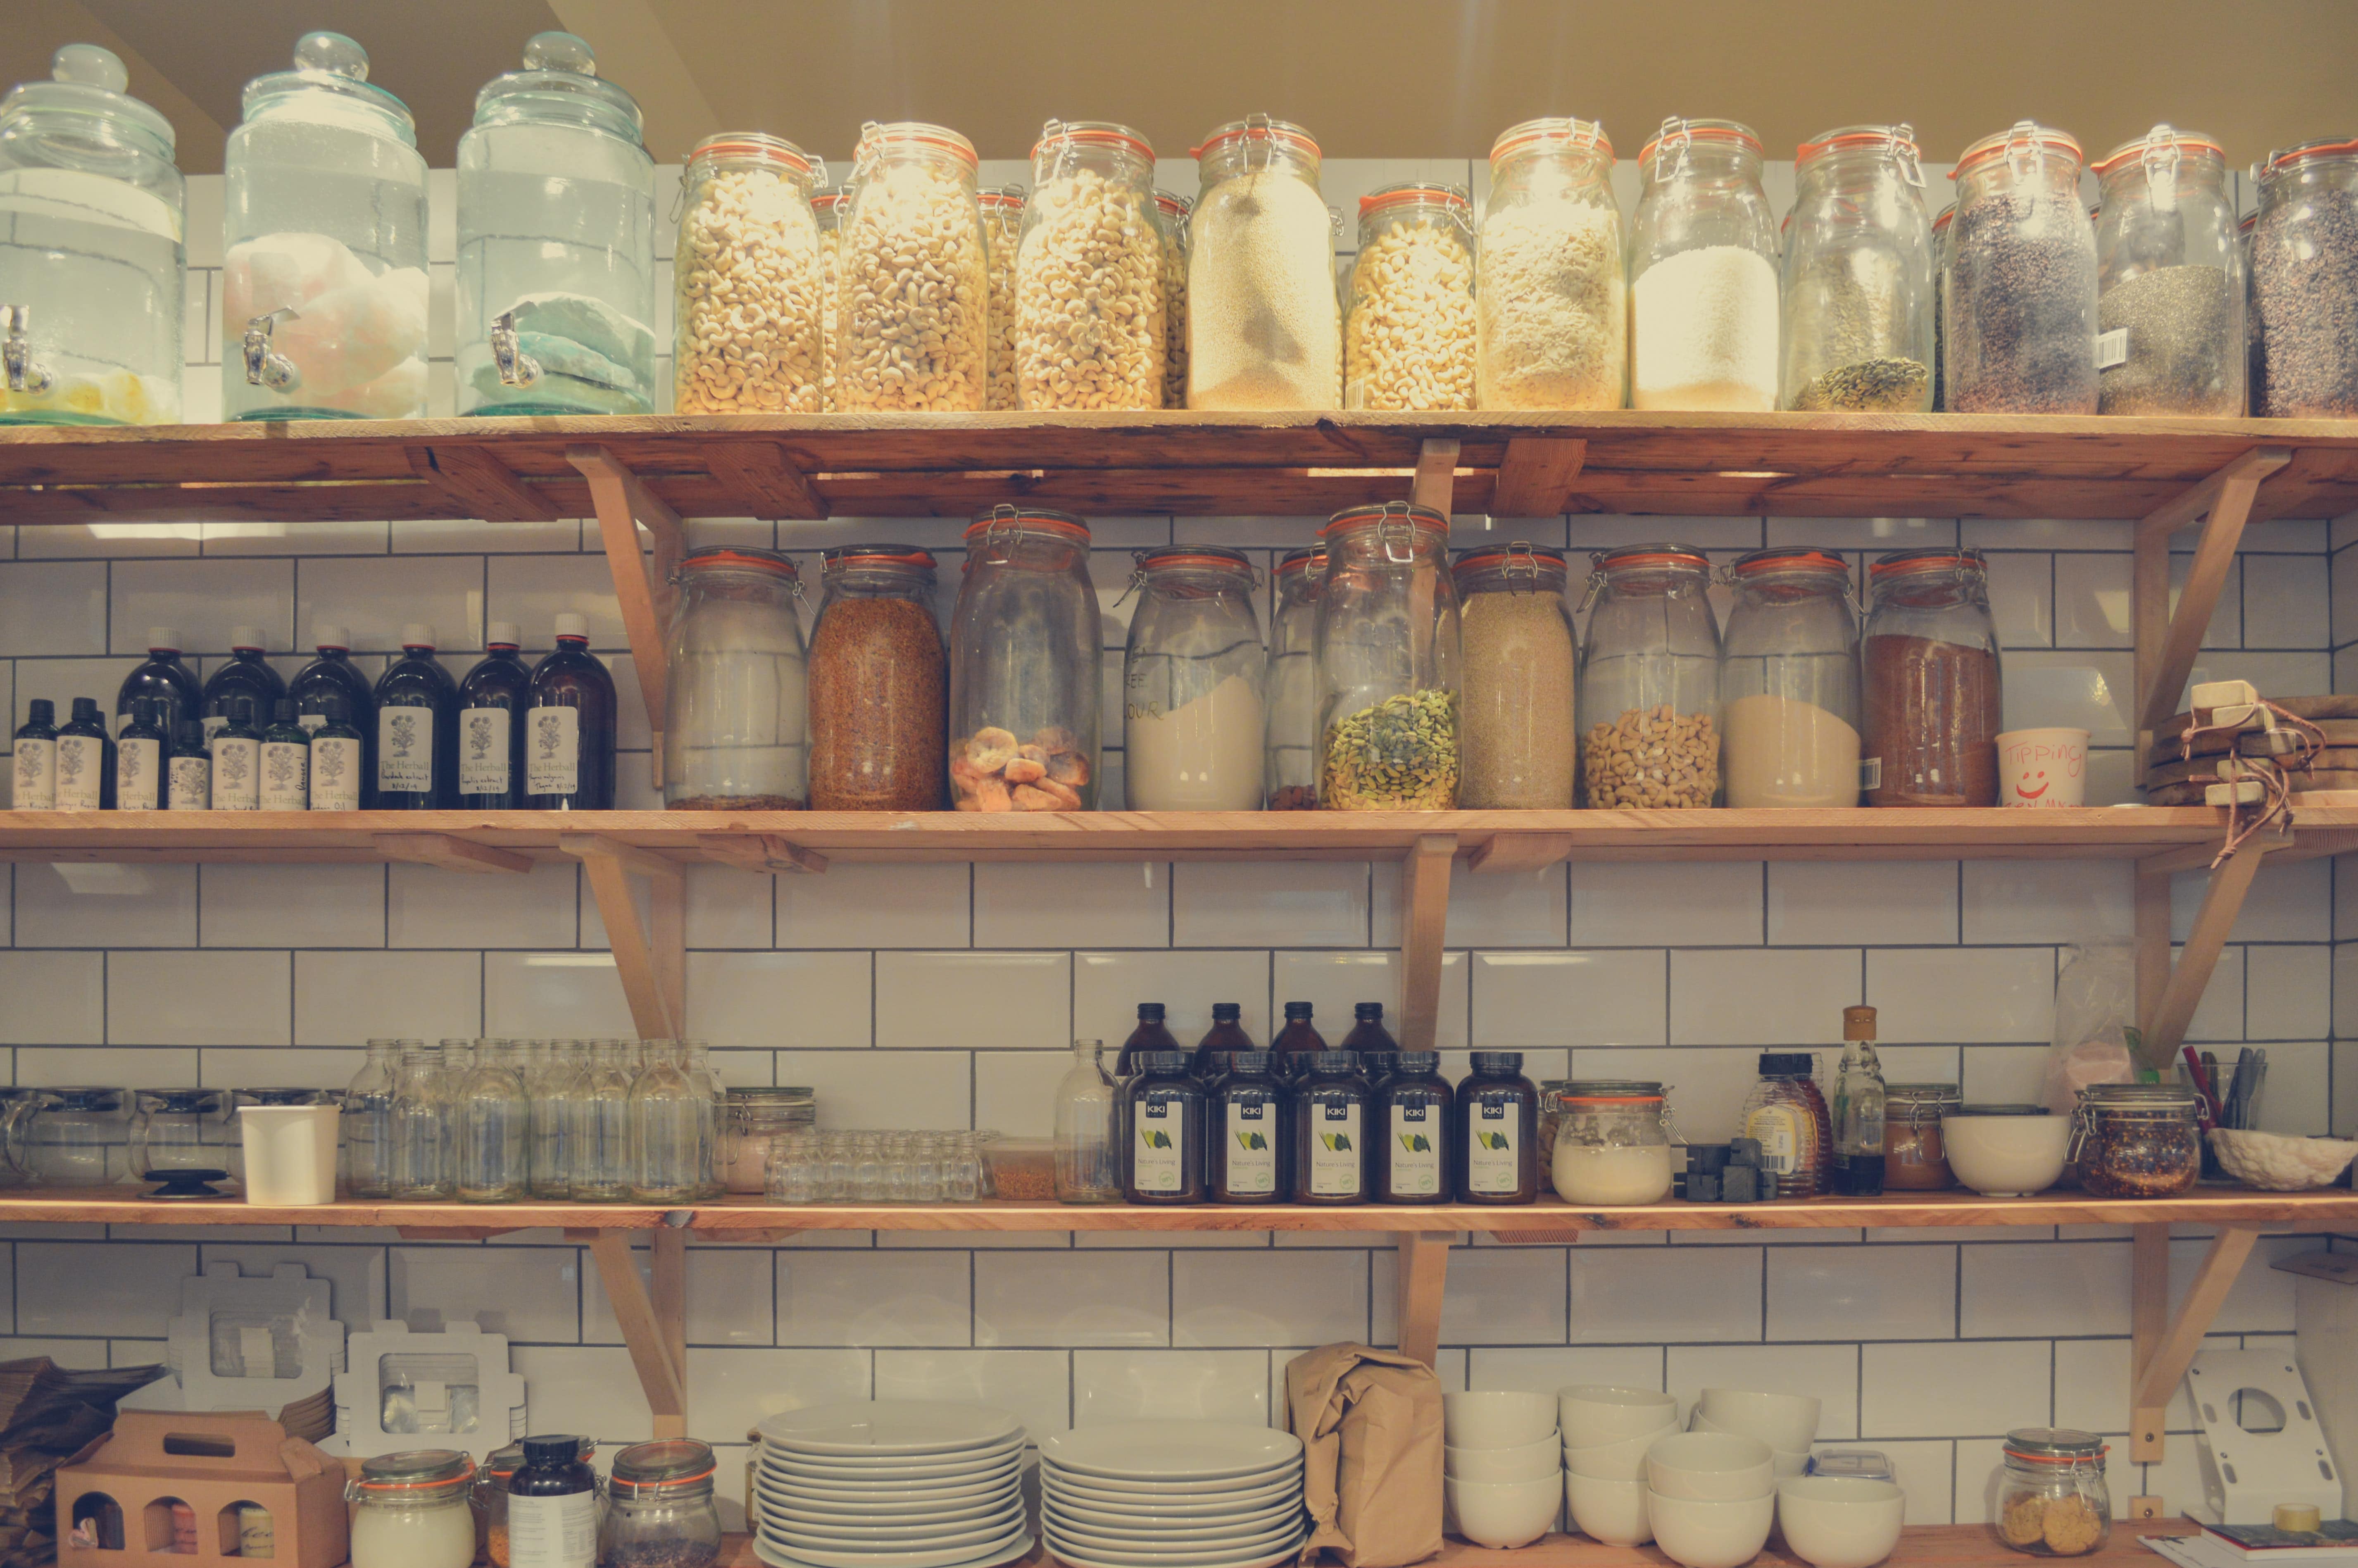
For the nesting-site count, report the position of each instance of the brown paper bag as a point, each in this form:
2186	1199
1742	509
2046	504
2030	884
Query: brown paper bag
1369	1422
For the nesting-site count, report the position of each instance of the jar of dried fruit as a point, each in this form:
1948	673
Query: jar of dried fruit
1519	650
735	736
1088	273
2136	1141
1291	746
1648	689
912	300
879	683
1025	643
1387	662
2051	1499
1408	326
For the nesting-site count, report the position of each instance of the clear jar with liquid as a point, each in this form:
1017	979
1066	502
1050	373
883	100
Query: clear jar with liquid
1193	717
554	1080
1087	1130
1788	701
368	1123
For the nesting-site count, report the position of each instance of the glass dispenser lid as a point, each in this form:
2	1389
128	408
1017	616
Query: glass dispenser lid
559	84
85	95
329	84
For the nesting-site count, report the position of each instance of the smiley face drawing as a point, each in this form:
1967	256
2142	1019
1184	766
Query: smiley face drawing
2022	790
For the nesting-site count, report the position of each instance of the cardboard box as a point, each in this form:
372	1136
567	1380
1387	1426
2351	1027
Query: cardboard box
210	1464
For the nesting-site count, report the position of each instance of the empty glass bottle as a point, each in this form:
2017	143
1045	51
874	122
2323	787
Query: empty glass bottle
493	1117
554	1082
671	1128
421	1126
602	1126
1088	1167
695	1060
368	1122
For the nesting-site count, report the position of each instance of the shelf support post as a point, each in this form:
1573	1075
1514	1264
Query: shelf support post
2168	993
1436	475
652	1327
651	959
1424	928
2158	1363
1423	1274
642	586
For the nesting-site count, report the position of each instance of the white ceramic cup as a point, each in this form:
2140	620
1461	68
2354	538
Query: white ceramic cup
1840	1521
1622	1461
2042	767
1496	1419
1593	1413
1611	1511
290	1153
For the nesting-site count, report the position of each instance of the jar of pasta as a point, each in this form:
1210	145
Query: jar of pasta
1551	303
1003	230
1264	329
1088	273
751	281
913	286
1408	330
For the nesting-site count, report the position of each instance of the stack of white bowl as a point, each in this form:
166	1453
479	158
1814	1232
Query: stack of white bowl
1498	1466
1172	1494
1840	1521
889	1484
1607	1431
1788	1423
1711	1498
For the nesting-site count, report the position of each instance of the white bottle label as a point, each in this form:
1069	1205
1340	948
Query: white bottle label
37	774
1159	1143
136	766
553	752
1335	1168
1491	1156
484	750
405	749
214	725
1779	1129
191	784
312	720
81	763
553	1533
1252	1135
1416	1151
237	773
285	776
335	773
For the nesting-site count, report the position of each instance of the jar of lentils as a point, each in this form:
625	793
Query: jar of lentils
879	683
2136	1141
1648	689
2170	281
1171	215
751	281
2020	297
1088	273
1552	304
1408	328
1387	662
828	209
2305	282
912	331
1003	230
2051	1499
1290	747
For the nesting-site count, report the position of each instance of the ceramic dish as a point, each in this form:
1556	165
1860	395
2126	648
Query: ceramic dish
1540	1461
1612	1511
1591	1414
1696	1534
869	1428
980	1468
1840	1521
870	1538
1497	1420
884	1494
2007	1156
1789	1421
1113	1488
780	1555
908	1517
1503	1516
2280	1162
1209	1532
1159	1450
1242	1543
1197	1506
1711	1467
1082	1557
1087	1517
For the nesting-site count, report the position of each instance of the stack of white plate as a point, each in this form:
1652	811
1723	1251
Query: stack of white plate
889	1484
1172	1494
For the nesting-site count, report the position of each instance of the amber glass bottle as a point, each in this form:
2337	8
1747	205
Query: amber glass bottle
1413	1113
1249	1155
1294	1042
1162	1114
1149	1035
1497	1158
1225	1038
1331	1118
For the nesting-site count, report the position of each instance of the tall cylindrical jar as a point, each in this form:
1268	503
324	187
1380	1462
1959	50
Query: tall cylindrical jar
2305	281
879	683
323	265
1002	231
1552	304
2169	280
914	309
1933	703
1193	712
2019	297
735	736
1408	326
749	281
1857	284
1264	328
1088	273
1387	662
1291	688
1647	690
1703	272
1941	226
1788	682
1518	742
1025	688
1171	215
828	209
92	258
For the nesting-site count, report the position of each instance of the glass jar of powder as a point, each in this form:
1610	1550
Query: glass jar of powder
1914	1159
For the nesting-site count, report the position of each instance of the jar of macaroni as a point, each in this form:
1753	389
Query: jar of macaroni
912	311
1408	329
750	278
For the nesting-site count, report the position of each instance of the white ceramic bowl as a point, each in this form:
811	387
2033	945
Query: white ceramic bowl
1840	1521
1503	1515
1697	1534
1497	1420
1789	1421
1591	1414
1711	1467
1789	1465
2276	1161
1622	1461
2007	1156
1531	1462
1611	1511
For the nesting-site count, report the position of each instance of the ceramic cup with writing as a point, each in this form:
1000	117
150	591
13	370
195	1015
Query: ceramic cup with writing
2042	767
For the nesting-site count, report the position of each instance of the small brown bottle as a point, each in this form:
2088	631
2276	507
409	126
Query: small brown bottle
1149	1035
1296	1041
1368	1034
1225	1038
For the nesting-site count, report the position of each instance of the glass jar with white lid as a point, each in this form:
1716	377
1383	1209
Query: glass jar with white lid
1858	271
2170	279
1193	713
1615	1142
1703	272
411	1511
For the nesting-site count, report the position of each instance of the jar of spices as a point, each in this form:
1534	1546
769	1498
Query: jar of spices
1786	1114
1003	230
879	683
2020	302
1264	328
752	294
1648	689
1518	751
1171	223
411	1511
1551	305
1387	662
1408	322
77	1136
1614	1144
1332	1110
1249	1156
1025	643
1788	682
2169	280
1858	276
1088	273
2305	281
1703	272
660	1511
174	1130
1290	690
1932	700
2052	1497
735	714
1496	1158
756	1119
1164	1112
1914	1159
828	209
912	302
2136	1141
1415	1130
1193	722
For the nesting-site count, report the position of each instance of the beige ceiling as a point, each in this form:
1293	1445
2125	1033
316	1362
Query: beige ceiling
1370	78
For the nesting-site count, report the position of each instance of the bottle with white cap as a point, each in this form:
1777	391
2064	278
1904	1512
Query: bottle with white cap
569	749
416	728
247	674
333	675
164	677
490	724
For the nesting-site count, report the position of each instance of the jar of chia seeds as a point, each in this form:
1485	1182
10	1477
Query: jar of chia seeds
2019	303
2305	281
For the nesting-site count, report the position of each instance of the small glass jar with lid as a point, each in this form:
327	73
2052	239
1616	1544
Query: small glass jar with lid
752	1124
2051	1496
1194	718
1788	682
735	736
1002	229
1551	305
1858	276
912	300
1914	1158
1931	697
2136	1141
1291	688
2019	302
2170	279
1088	273
1615	1142
183	1130
92	253
1407	321
660	1510
1025	647
411	1511
2305	281
1265	328
1171	223
879	682
323	265
1387	662
1703	272
1519	751
1648	688
828	209
77	1136
751	307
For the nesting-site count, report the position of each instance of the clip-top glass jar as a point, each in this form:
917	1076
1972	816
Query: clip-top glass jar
1003	228
2136	1141
879	682
752	1124
1171	222
735	720
828	209
2052	1500
914	289
751	281
93	214
660	1511
1915	1160
1387	662
1647	691
1932	699
1291	691
1518	746
323	268
1613	1139
1551	305
1025	645
2019	304
1858	276
77	1136
412	1511
1193	717
1264	327
1788	682
1408	326
175	1130
2305	281
2170	279
1703	272
1088	273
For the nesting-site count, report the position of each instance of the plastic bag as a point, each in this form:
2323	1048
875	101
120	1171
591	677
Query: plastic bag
2095	1025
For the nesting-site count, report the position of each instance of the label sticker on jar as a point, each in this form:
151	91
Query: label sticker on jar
285	776
1251	1147
136	766
1415	1152
2112	347
37	774
484	750
405	750
81	763
335	773
1155	1156
1777	1129
1870	773
1334	1169
191	784
553	752
1492	1159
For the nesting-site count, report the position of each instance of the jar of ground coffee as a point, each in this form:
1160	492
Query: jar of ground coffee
1930	658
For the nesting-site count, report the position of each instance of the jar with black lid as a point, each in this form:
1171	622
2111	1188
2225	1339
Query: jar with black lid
1413	1129
2136	1141
1162	1110
1331	1113
1248	1157
1497	1157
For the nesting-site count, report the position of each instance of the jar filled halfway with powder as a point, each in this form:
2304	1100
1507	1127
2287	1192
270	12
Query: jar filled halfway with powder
1703	272
1788	682
1932	699
1264	327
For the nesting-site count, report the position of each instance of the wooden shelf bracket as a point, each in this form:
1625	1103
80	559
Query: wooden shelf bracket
642	584
1425	931
652	957
2169	992
1424	1280
653	1322
2163	1347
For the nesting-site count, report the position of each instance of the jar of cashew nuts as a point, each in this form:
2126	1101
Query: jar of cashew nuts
1002	229
1646	694
1172	215
1089	279
828	209
751	287
912	329
1408	322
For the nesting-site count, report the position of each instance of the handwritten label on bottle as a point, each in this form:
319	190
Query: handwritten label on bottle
37	773
137	767
81	766
1335	1168
1159	1140
1252	1147
553	752
484	750
237	773
1491	1157
285	776
191	786
405	750
1415	1152
335	773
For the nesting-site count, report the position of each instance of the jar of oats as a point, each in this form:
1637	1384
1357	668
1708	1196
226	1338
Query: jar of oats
828	209
1088	275
1550	301
912	317
1647	691
1171	213
1264	329
1002	227
751	286
1408	328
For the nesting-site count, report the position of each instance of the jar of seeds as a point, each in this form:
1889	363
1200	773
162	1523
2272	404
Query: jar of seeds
1858	276
1648	689
2305	282
1003	230
1387	662
2170	308
1171	213
1088	273
913	296
1408	325
2020	298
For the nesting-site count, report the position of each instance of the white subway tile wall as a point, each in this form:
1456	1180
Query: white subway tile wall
940	996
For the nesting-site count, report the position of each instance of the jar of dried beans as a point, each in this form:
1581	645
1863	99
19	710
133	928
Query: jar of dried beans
2051	1496
2305	282
1003	230
1914	1158
879	683
1648	688
752	283
1171	219
1264	329
2136	1141
1024	650
1703	272
1290	689
1788	682
1933	697
1088	273
735	723
914	286
828	209
1858	276
1193	715
1387	662
2019	304
1408	329
2169	280
1551	305
1520	649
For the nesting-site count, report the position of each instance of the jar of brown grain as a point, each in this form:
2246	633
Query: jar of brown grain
879	683
1914	1159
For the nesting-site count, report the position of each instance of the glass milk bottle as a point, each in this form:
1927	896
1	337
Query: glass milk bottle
323	273
556	242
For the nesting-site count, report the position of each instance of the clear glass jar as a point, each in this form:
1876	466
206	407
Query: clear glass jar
1025	641
736	735
751	307
1551	305
1192	717
2136	1141
2019	303
1408	326
2305	281
1088	1146
411	1511
1387	640
602	1126
753	1123
1088	273
491	1116
423	1142
555	1084
695	1061
1614	1142
1518	747
879	683
1941	226
1788	682
2169	280
16	1106
368	1124
181	1129
1003	230
1915	1160
660	1512
1265	329
1932	700
323	271
2255	375
1170	220
1291	687
77	1136
1703	272
828	209
1648	689
672	1129
93	252
914	304
2052	1497
1858	274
